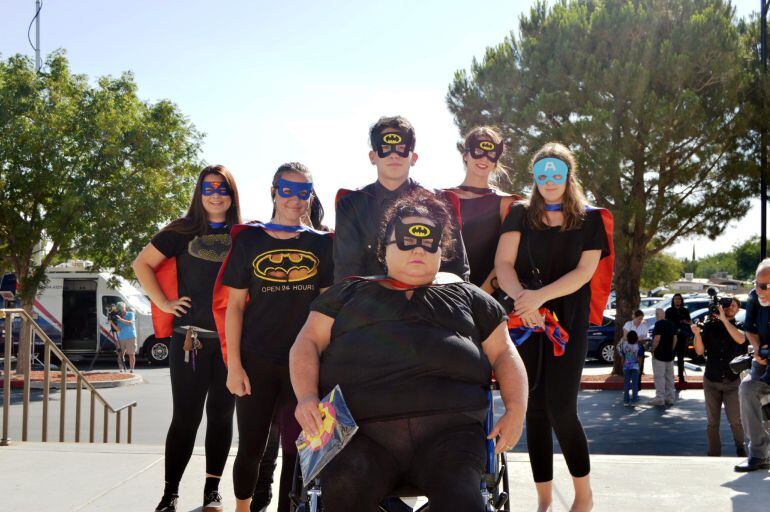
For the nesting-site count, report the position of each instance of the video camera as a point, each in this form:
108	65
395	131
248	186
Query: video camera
716	301
743	362
112	314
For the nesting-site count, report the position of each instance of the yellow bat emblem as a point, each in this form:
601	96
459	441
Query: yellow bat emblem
285	265
486	145
392	138
419	230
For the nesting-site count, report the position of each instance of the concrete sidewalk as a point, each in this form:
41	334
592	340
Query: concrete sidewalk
122	478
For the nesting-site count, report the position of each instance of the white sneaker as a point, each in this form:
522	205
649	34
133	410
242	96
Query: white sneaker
655	401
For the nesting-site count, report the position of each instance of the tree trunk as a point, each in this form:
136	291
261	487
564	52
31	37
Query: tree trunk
630	258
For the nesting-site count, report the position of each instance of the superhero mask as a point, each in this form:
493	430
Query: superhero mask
550	169
400	143
417	234
480	148
209	188
287	189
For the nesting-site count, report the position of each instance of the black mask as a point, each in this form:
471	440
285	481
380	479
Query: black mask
387	143
417	234
478	148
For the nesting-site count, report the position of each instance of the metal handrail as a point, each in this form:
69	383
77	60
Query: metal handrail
66	364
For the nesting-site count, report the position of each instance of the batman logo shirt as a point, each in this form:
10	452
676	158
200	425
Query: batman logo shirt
282	277
198	260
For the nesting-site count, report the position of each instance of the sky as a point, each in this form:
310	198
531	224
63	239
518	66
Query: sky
271	82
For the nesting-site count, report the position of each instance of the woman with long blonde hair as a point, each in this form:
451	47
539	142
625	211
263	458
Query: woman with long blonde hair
548	253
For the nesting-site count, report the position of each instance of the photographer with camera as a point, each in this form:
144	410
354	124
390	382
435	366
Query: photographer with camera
112	316
721	340
753	389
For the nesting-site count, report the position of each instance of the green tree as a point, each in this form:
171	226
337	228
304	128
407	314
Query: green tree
720	262
660	269
86	170
647	93
746	257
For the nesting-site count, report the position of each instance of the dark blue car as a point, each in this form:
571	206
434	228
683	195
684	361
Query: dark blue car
601	339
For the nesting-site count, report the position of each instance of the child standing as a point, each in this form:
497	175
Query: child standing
629	350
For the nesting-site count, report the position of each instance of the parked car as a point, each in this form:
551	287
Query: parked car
601	340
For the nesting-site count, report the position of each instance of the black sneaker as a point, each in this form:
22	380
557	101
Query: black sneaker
212	502
167	503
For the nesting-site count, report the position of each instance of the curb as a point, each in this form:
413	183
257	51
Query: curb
618	386
56	384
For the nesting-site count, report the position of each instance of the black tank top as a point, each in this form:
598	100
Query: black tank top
481	231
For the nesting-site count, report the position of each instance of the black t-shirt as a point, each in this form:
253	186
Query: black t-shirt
555	253
198	259
720	350
481	232
283	277
757	318
665	349
395	357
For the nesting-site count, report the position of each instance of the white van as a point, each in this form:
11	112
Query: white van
72	309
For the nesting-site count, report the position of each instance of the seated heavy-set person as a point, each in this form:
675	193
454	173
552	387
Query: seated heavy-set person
413	353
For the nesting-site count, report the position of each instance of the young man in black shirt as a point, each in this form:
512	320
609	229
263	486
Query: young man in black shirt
664	339
721	340
679	315
359	212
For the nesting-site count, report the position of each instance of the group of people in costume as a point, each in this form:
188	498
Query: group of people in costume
396	307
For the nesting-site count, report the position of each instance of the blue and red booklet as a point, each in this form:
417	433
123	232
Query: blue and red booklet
315	452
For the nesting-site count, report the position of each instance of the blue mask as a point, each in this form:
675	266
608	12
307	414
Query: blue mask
209	188
550	169
287	189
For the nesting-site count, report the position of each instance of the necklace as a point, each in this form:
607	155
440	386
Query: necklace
553	207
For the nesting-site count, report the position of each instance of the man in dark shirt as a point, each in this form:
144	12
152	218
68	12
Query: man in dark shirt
664	340
679	315
721	340
359	212
753	390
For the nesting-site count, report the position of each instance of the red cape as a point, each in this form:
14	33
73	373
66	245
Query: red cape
163	323
219	299
601	283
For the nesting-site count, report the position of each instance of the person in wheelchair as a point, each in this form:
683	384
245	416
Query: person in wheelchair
413	353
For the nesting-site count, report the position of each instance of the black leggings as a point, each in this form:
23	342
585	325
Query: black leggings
441	455
552	404
270	389
284	430
189	389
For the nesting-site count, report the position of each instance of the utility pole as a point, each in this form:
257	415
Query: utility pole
763	126
38	59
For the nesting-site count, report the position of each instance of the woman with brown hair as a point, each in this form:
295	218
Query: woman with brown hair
178	269
548	253
482	205
273	273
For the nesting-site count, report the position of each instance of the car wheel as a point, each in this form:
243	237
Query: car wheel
607	352
157	352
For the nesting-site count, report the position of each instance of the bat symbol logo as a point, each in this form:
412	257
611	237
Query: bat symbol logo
285	265
486	145
419	230
392	138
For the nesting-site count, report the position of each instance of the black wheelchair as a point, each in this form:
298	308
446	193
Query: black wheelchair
494	483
